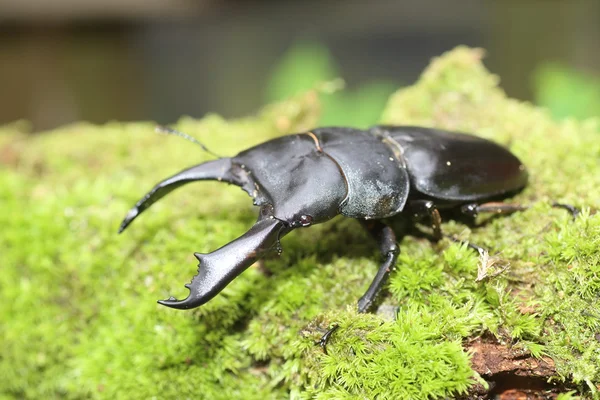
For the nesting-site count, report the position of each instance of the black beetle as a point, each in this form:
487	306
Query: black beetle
305	179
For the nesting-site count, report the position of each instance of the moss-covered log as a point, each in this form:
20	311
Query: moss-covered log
79	318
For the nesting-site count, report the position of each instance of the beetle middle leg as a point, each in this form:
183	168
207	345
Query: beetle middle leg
421	209
427	209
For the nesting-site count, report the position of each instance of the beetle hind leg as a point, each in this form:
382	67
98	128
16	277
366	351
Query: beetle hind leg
498	208
426	209
472	210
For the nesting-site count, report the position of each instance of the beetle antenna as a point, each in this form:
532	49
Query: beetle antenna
171	131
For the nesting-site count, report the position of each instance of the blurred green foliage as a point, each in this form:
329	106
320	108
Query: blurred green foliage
567	92
307	65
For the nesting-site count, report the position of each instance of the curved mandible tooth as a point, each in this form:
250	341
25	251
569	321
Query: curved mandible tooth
184	304
194	298
218	170
217	269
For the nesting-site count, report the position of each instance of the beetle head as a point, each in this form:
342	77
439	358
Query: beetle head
309	193
303	186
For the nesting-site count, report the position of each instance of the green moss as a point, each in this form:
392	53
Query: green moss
554	262
79	318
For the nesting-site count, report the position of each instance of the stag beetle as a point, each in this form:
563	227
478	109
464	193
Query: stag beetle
371	175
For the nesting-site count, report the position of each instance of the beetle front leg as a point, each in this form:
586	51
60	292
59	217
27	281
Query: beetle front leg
386	239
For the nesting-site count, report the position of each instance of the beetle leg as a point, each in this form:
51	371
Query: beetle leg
574	211
475	209
426	208
385	237
325	338
483	253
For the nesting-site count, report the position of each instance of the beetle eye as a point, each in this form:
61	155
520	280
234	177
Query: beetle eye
305	220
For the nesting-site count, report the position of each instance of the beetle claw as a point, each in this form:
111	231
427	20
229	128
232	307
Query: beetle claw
131	215
217	269
199	292
218	170
177	304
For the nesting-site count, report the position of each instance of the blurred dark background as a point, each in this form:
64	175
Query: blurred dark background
68	60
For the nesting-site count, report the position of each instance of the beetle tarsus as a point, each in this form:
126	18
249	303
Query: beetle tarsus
482	252
474	209
325	338
485	261
427	209
574	211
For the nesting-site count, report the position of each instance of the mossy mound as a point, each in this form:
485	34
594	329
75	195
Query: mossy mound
79	318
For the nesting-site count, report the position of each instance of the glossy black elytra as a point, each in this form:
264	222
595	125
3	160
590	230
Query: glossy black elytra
305	179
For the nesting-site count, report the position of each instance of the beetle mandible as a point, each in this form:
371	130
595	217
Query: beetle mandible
370	175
